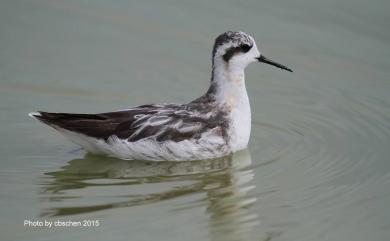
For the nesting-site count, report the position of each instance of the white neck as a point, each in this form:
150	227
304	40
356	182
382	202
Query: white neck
228	85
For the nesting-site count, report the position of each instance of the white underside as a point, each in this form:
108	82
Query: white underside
208	146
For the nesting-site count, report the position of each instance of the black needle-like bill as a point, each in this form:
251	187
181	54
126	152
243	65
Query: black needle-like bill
268	61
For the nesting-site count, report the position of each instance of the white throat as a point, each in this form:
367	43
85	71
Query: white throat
230	92
229	84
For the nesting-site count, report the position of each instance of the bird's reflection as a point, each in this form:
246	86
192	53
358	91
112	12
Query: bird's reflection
225	181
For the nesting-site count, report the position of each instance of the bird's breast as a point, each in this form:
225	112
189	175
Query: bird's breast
240	124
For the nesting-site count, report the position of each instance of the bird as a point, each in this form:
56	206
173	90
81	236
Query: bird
216	124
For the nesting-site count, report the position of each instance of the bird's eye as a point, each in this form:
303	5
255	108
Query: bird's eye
245	48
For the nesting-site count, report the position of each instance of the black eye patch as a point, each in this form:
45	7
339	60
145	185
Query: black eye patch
233	50
245	48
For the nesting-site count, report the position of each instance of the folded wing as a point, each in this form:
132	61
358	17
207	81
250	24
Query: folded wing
161	122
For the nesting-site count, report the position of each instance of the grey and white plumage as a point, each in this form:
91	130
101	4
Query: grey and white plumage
214	125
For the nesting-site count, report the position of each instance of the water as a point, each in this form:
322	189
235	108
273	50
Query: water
317	167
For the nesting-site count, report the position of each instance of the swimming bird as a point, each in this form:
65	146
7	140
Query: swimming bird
214	125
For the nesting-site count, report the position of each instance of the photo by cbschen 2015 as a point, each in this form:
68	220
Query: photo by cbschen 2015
249	151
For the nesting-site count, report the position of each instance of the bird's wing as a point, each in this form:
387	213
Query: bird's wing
162	122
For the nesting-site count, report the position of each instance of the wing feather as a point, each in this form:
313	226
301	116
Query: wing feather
161	122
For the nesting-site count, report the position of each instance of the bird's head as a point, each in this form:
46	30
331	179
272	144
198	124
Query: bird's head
238	50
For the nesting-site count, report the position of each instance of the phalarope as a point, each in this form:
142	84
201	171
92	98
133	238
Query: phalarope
213	125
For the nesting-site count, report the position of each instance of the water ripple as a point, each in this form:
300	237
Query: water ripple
328	156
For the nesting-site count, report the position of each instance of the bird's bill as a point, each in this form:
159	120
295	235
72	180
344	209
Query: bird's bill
268	61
